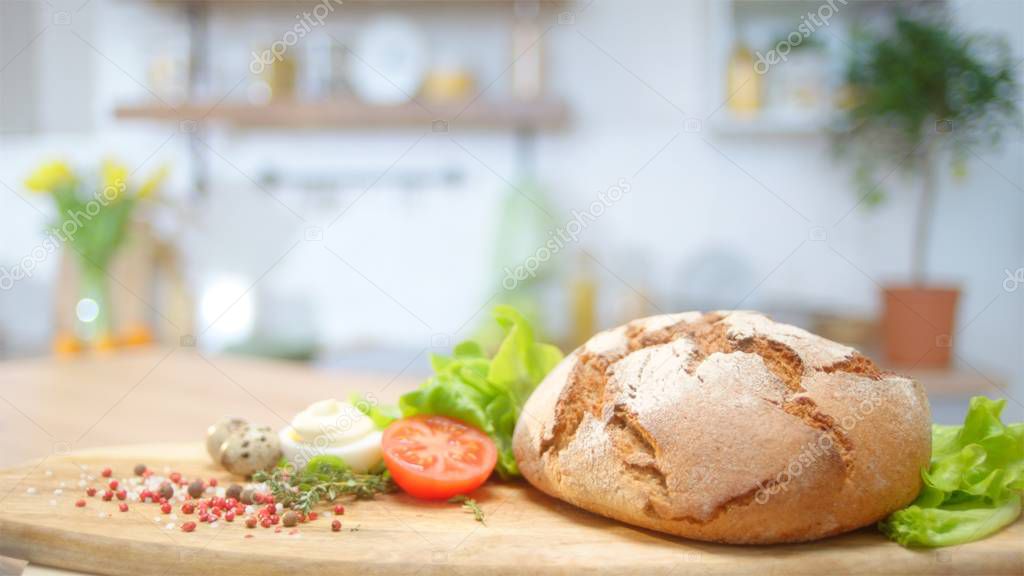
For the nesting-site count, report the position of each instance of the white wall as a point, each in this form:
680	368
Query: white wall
615	65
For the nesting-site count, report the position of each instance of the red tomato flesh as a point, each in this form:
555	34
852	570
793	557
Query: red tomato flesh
434	457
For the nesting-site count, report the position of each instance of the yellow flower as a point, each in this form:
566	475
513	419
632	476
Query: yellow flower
154	181
115	179
49	176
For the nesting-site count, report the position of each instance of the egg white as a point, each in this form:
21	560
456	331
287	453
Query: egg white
360	455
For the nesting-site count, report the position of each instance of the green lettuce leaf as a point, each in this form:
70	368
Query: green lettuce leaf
487	393
972	485
382	415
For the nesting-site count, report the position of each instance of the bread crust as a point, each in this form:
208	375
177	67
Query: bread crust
725	427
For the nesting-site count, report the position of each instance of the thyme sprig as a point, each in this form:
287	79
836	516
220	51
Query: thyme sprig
302	490
469	505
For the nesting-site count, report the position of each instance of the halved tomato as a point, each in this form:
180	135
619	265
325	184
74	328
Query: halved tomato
434	457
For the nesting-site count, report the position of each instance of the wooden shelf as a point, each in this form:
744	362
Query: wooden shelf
541	115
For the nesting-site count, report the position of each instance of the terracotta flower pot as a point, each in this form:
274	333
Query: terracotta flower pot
918	325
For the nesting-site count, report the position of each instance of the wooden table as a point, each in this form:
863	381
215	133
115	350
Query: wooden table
50	406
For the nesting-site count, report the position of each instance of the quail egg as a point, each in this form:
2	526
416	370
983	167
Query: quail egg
250	450
219	432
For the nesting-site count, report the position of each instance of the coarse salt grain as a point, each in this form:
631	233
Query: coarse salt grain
63	484
82	483
53	502
48	473
58	492
279	507
169	526
31	491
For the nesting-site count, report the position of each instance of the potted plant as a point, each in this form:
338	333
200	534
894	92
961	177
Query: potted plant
93	214
922	97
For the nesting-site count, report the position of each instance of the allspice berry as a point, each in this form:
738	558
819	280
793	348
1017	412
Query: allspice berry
195	489
246	497
166	490
290	519
233	491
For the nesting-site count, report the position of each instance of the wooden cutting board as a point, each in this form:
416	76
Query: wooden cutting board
526	532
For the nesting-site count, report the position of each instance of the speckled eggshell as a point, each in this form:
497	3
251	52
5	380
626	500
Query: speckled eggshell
219	432
250	450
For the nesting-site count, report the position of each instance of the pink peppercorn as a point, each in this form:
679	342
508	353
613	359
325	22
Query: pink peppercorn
336	526
106	472
122	507
90	491
165	508
80	503
188	526
339	509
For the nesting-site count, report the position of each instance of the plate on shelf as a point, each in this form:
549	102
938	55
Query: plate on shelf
389	61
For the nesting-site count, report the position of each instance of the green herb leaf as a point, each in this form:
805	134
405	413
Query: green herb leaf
323	481
487	394
972	486
469	505
382	416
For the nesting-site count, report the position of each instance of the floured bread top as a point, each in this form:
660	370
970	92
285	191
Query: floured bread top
703	410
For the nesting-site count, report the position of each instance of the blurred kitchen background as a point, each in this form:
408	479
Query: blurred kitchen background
356	184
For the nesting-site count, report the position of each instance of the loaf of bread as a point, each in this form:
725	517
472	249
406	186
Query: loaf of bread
725	427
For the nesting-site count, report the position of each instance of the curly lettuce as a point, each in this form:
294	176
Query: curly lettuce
972	487
488	393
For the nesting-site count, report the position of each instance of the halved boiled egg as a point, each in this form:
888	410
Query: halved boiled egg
333	428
